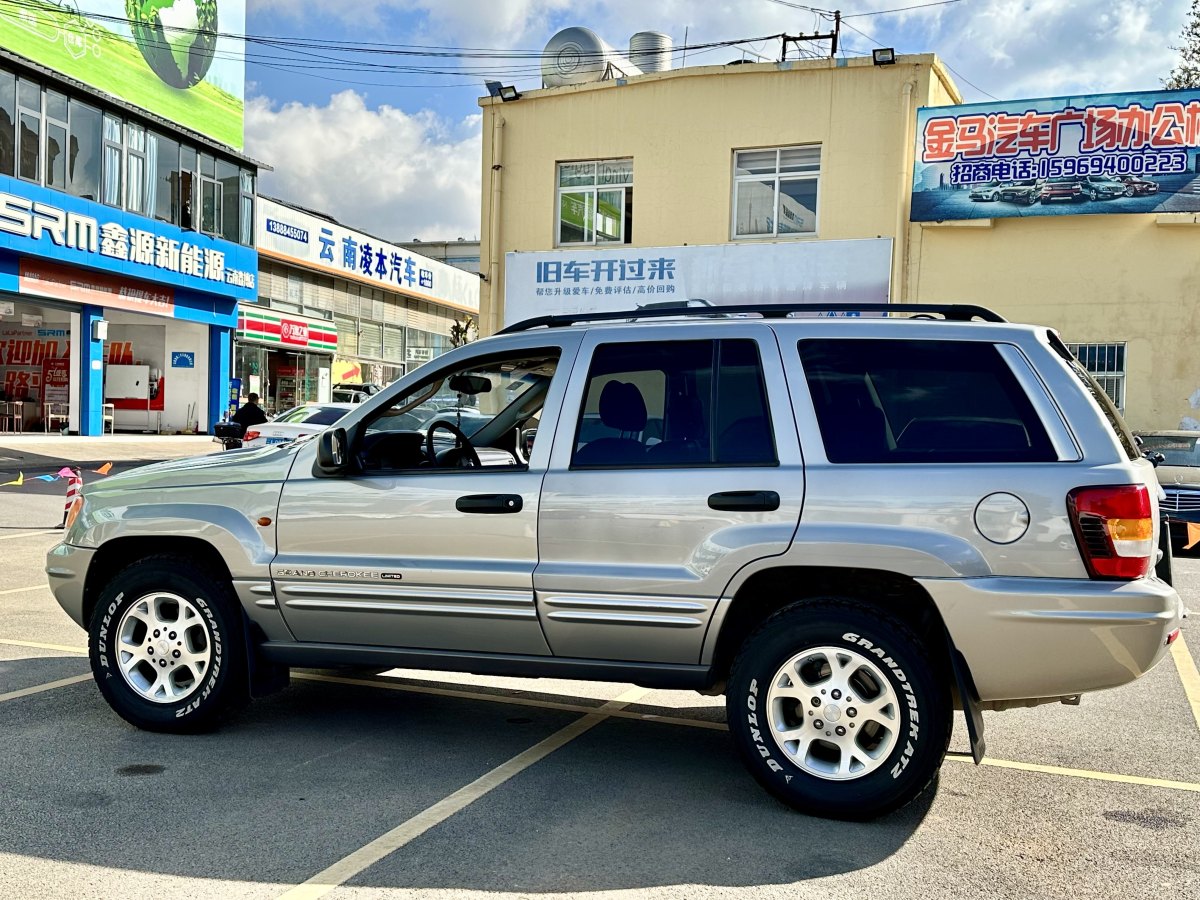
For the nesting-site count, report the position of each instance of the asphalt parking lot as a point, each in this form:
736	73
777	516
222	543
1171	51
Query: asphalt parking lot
431	785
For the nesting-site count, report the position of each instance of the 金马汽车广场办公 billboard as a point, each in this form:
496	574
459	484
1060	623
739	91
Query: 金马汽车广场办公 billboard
1083	155
179	59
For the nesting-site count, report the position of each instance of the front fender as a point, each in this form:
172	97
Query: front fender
226	517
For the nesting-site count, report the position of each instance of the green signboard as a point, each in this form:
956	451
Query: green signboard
174	58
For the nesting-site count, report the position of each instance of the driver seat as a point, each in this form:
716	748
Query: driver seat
623	409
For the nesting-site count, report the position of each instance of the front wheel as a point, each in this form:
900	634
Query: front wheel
838	709
164	644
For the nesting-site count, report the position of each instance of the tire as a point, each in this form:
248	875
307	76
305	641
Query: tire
200	640
794	653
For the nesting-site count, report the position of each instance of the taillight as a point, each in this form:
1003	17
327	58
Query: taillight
252	435
1115	530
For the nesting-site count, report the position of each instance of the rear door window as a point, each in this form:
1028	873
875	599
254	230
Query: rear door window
898	401
657	405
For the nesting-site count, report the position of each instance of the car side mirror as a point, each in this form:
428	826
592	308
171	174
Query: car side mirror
333	456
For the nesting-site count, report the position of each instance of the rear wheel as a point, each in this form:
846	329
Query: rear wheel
165	646
838	709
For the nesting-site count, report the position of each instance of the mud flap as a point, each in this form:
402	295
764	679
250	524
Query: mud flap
263	677
969	697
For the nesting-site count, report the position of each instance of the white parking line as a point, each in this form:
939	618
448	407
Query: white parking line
48	686
32	587
1080	773
37	645
384	845
13	537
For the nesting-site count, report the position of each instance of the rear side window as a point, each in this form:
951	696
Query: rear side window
658	405
880	401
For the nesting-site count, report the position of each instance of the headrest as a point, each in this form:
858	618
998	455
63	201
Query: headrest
622	407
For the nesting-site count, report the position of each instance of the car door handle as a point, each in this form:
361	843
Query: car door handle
493	504
744	501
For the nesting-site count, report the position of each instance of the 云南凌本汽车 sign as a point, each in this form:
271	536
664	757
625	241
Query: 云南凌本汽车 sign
1091	154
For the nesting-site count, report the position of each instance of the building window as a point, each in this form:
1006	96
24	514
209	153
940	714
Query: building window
56	141
135	169
1106	363
112	161
83	151
595	202
210	196
29	104
246	235
775	192
8	123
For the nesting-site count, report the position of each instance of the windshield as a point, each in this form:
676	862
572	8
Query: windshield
1177	450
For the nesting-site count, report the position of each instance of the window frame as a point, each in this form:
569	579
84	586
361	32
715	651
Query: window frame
593	190
713	408
777	176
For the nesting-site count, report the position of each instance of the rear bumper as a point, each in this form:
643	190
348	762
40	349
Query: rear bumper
1026	638
66	569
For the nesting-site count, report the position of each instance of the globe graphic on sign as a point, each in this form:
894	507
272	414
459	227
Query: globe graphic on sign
177	38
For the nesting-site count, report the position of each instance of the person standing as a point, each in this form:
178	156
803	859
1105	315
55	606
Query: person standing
250	414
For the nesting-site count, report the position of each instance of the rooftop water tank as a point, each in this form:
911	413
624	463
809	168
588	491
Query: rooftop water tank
578	56
650	51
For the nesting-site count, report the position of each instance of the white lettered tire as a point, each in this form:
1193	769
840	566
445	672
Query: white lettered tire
165	644
838	709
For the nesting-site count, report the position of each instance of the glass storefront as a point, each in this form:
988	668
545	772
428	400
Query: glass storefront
285	358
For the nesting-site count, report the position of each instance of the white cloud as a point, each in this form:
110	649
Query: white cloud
392	173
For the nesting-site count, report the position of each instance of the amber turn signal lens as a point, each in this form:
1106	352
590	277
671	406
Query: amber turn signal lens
264	521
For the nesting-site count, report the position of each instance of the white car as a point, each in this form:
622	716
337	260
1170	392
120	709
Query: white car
295	423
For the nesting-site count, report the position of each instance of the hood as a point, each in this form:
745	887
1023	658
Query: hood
223	467
1181	475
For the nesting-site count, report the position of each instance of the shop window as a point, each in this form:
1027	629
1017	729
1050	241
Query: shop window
595	202
112	161
84	151
775	192
1106	363
135	168
8	123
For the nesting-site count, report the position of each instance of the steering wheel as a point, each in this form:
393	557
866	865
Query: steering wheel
470	458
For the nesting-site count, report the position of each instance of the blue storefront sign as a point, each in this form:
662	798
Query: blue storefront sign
53	225
1101	153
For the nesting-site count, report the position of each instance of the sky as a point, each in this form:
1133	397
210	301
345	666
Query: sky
397	153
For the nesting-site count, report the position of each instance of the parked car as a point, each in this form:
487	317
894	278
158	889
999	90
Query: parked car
1179	474
1136	186
1101	187
1062	189
849	526
297	422
1026	191
989	191
354	393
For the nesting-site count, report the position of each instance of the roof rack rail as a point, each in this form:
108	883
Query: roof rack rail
955	312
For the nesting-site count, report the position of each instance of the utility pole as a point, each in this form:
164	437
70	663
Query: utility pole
831	36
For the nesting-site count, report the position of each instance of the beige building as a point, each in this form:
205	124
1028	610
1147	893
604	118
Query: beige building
820	151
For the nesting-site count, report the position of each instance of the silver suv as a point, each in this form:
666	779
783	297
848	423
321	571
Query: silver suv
849	526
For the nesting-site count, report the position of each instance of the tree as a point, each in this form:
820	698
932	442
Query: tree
463	331
1186	73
